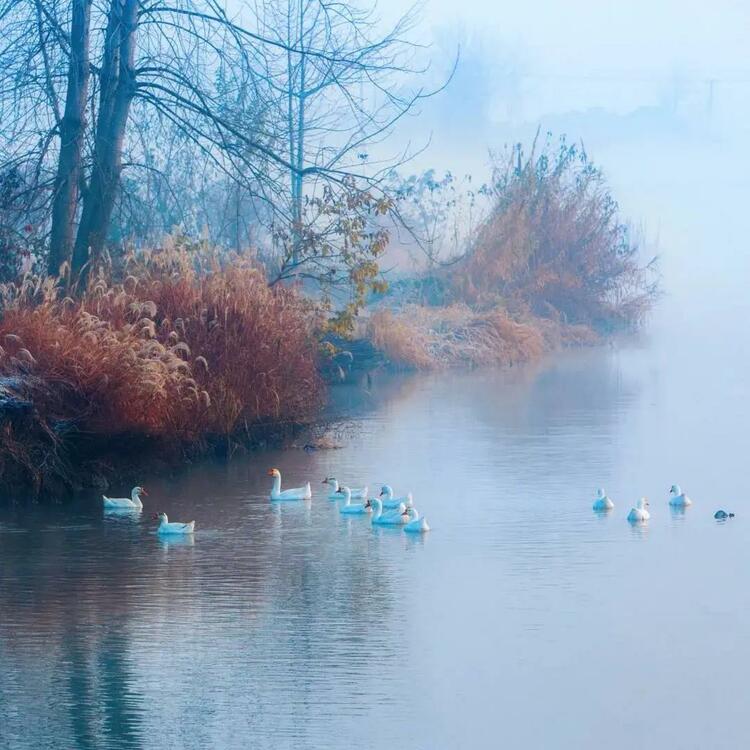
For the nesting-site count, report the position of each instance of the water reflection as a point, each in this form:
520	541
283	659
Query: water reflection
175	541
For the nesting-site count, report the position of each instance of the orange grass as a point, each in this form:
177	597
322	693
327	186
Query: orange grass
433	337
183	349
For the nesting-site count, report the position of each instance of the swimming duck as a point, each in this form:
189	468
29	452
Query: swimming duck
415	524
722	515
352	508
639	513
677	498
297	493
165	527
602	502
133	502
390	502
395	517
333	483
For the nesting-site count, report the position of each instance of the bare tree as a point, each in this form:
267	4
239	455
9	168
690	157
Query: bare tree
71	127
336	106
117	87
283	112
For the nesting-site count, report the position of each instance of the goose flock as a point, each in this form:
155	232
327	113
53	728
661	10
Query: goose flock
385	510
640	513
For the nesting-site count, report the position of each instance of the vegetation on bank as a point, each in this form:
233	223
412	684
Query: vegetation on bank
551	263
185	351
182	349
418	337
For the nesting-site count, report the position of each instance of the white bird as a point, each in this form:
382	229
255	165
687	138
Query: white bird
415	524
639	513
357	493
133	502
353	508
677	498
602	502
393	518
390	502
165	527
297	493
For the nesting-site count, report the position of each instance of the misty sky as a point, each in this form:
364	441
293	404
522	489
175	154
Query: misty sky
550	56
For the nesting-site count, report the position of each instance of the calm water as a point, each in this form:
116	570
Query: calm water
523	620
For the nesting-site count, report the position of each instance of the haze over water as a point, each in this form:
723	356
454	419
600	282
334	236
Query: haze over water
523	620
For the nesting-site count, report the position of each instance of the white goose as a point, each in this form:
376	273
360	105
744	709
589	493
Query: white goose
357	493
351	508
393	518
639	513
415	524
297	493
130	503
602	502
165	527
677	498
390	502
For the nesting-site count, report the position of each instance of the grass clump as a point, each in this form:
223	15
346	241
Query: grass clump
419	337
180	351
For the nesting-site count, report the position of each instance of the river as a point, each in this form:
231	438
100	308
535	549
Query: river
523	620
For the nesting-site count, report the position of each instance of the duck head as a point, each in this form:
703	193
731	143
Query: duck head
675	489
600	493
137	491
162	517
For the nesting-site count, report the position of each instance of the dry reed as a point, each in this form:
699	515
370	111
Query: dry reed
433	337
182	349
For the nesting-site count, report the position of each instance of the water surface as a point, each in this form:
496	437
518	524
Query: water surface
522	620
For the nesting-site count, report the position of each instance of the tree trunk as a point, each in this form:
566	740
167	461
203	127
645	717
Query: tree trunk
117	82
65	201
296	125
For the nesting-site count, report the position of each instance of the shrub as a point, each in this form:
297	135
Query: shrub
250	348
553	244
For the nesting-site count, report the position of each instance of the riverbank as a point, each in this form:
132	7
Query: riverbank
185	351
432	338
176	360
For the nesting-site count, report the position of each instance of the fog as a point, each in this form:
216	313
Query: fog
659	94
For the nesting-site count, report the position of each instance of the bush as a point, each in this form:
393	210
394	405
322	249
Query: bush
553	245
250	348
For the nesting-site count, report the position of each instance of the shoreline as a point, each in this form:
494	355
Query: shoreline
100	461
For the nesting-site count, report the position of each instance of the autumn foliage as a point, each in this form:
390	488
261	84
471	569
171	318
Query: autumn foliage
554	245
182	349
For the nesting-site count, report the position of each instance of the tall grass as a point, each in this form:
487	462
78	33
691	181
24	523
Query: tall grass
183	348
433	337
554	245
